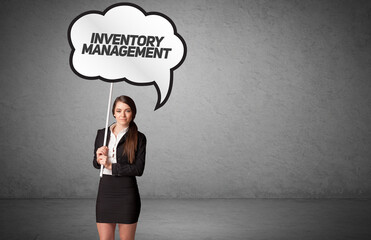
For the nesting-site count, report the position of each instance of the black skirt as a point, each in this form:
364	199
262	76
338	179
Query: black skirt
118	200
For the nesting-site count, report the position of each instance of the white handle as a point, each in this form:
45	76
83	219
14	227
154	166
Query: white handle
106	130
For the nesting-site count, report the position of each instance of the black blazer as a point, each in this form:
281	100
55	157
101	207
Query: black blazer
123	167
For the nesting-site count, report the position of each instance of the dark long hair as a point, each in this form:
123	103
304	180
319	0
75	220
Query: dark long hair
131	142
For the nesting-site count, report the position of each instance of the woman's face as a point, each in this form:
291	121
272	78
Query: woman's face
123	114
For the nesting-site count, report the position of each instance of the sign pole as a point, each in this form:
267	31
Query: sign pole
106	130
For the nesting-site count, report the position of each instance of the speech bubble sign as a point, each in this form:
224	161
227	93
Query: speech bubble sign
125	43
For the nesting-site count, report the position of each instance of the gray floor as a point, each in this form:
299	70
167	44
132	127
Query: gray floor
176	219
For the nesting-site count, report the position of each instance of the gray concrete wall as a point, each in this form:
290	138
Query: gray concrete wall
273	100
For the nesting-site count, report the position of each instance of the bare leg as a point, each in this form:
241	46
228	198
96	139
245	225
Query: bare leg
127	231
106	231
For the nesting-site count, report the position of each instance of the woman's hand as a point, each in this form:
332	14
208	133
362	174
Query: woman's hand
102	151
102	157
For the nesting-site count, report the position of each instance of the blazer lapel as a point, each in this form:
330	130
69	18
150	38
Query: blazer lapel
108	136
122	140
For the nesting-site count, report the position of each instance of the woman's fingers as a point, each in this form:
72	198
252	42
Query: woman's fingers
102	160
105	150
102	151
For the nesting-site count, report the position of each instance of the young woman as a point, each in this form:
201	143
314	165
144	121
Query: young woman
118	200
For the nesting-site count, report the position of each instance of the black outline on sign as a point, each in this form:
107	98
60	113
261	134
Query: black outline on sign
158	104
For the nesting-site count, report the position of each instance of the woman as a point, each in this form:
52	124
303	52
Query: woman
118	200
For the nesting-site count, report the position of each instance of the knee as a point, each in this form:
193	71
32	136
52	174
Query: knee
106	231
124	236
127	231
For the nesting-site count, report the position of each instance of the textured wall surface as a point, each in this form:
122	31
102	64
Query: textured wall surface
273	100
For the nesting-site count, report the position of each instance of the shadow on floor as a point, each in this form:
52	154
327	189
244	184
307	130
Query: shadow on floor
188	219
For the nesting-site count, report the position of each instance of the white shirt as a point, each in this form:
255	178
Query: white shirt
112	146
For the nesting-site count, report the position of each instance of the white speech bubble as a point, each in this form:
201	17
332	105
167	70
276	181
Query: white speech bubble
124	43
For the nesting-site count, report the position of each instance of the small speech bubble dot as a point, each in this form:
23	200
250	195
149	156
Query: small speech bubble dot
125	43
